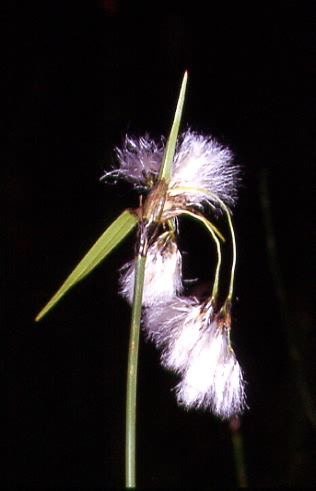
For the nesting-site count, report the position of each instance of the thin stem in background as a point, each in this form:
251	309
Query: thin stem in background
295	357
238	452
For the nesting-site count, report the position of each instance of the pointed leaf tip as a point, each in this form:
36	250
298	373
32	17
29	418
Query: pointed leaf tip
112	236
165	170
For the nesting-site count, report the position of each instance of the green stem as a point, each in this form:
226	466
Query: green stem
238	452
130	449
152	216
281	293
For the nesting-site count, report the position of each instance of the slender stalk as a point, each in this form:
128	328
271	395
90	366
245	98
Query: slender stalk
130	448
238	452
281	293
153	208
210	228
232	275
230	224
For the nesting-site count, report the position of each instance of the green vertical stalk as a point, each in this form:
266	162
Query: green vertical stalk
130	449
238	452
152	213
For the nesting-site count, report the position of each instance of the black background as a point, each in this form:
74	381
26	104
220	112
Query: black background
83	77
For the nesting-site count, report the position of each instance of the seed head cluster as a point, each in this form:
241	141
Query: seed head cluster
193	336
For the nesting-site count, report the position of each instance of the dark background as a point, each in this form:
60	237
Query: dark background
84	77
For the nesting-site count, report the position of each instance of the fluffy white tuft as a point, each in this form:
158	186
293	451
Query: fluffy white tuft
176	328
140	160
166	322
196	346
213	378
202	163
163	274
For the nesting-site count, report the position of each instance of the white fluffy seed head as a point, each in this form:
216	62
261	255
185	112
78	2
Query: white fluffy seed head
174	328
213	378
163	273
139	161
202	163
195	344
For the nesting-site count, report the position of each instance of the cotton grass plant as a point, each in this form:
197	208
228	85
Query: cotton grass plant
189	175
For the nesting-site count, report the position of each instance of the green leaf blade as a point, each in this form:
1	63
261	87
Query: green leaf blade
165	170
112	236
